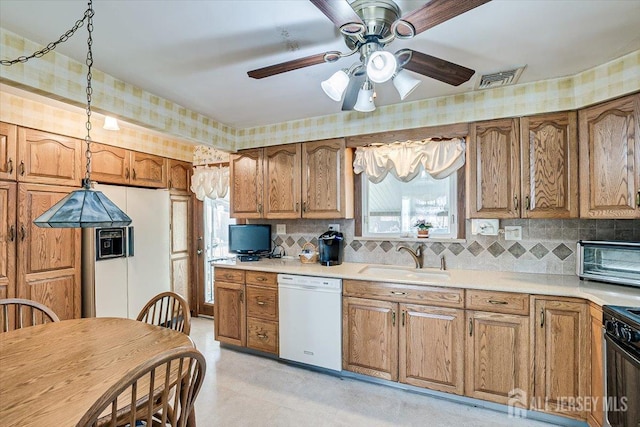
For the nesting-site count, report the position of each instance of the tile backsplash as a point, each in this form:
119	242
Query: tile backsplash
547	245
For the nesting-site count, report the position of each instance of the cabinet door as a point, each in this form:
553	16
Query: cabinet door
596	416
148	170
110	165
610	159
8	138
494	169
179	175
48	258
180	253
50	159
432	347
245	176
370	337
229	309
497	358
550	165
282	181
8	236
327	180
561	356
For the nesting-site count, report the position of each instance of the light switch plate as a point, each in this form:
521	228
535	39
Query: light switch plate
281	229
512	232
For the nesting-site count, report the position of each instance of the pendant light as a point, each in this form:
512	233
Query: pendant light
85	208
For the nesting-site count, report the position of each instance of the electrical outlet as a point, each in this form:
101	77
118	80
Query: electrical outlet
512	232
334	227
486	227
281	229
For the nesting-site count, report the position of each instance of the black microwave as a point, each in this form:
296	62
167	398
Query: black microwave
116	242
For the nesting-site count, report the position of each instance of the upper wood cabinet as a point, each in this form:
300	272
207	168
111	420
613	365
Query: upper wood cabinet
493	169
8	153
48	259
245	172
115	165
282	181
327	179
610	159
110	165
562	362
179	175
148	170
8	237
305	180
549	165
47	158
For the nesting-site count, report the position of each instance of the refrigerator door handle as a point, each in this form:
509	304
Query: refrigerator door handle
130	247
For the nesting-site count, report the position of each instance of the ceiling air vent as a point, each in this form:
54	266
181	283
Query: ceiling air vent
501	78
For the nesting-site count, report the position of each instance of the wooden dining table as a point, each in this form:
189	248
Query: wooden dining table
51	374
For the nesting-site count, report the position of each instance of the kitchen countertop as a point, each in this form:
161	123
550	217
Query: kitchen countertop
532	283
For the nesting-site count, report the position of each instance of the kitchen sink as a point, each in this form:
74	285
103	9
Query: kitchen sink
405	273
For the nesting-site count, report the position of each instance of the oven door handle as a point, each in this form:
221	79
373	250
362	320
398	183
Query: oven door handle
624	352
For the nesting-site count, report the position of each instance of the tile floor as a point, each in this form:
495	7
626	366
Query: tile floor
245	390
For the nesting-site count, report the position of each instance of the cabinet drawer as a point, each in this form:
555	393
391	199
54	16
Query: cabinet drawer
262	302
228	275
428	295
261	278
262	335
498	302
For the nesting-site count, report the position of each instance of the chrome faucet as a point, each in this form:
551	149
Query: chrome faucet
417	255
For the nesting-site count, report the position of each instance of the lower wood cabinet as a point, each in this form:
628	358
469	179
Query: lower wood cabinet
370	337
415	344
229	313
497	357
596	416
246	309
432	347
561	342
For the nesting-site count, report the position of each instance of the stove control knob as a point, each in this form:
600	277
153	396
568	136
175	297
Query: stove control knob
628	335
611	327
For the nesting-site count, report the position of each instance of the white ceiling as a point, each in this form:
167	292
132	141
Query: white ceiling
197	53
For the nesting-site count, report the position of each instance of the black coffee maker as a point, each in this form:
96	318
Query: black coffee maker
331	247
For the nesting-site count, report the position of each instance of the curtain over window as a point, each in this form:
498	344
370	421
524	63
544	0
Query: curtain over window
405	160
210	181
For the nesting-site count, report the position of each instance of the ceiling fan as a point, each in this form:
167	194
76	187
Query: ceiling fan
367	27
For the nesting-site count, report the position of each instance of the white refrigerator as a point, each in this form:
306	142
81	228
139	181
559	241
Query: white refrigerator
120	287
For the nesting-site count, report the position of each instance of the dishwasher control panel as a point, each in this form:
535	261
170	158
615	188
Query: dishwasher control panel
310	281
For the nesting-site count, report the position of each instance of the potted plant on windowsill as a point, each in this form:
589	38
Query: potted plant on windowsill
423	227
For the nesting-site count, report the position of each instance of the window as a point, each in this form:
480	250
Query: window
216	224
391	207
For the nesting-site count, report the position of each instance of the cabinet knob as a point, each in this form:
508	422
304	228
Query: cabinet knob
126	173
515	201
542	317
10	166
527	203
12	233
21	168
260	302
134	173
393	318
262	336
261	279
23	233
398	293
638	199
493	301
470	327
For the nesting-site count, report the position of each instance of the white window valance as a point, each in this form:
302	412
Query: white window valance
210	181
405	160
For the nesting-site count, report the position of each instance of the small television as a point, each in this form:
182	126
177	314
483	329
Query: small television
250	239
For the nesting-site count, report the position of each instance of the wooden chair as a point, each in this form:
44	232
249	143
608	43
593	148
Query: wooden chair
161	391
17	313
167	309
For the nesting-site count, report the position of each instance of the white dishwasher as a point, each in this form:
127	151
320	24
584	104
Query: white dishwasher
310	320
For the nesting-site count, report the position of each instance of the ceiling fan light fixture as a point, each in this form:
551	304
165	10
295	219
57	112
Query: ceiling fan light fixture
405	83
381	66
336	85
365	102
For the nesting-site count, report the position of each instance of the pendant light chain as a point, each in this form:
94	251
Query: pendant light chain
89	15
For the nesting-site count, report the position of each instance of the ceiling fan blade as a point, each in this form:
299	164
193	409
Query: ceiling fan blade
351	93
438	11
437	68
283	67
338	11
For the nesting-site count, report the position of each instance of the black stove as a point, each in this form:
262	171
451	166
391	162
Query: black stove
622	364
